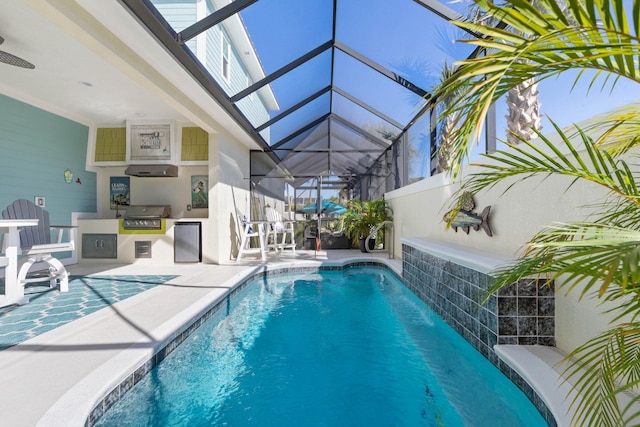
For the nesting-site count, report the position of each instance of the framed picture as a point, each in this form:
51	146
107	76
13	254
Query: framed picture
149	141
119	192
199	191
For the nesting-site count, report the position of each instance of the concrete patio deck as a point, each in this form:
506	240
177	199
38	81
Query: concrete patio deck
65	370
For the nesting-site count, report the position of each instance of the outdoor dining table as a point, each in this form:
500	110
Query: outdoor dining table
13	290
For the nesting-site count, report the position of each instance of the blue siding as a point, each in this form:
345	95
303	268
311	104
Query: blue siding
179	13
36	147
182	13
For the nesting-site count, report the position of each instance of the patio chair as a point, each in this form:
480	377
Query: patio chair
253	229
281	232
37	246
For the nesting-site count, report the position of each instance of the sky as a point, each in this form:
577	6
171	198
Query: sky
400	35
405	38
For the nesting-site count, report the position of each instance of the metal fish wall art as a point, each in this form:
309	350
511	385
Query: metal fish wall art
466	219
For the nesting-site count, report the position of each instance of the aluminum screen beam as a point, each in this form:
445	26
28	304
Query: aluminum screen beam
282	71
212	20
440	9
366	135
300	131
444	12
294	108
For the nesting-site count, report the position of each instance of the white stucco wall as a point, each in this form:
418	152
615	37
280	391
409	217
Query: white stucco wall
515	216
228	198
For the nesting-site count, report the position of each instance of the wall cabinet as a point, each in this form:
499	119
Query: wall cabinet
96	245
117	146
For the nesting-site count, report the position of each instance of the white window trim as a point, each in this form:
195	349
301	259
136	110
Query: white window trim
225	60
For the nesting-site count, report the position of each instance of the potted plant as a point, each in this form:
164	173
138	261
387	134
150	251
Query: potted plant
362	217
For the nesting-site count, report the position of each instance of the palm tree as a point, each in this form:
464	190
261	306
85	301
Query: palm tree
601	254
444	153
523	110
523	103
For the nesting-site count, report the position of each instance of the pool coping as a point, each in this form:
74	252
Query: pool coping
541	367
87	400
544	369
480	260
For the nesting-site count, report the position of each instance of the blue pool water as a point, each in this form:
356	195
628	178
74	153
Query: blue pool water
335	348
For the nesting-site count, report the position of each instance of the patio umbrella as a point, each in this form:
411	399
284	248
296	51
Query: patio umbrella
326	207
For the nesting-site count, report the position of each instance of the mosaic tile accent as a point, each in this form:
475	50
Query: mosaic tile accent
49	308
519	314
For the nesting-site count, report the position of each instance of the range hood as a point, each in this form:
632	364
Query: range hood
153	171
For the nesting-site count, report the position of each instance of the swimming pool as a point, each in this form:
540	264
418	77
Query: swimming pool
331	348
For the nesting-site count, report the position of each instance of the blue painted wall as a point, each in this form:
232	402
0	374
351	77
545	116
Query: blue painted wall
36	147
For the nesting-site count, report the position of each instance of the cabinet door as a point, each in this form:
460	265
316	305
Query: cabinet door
100	246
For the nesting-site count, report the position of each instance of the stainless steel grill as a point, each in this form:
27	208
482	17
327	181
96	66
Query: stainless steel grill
145	217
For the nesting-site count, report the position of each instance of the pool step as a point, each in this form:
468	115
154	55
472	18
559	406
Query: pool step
542	367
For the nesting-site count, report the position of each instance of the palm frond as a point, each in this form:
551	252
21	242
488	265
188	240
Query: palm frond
599	256
619	131
545	157
616	211
595	257
615	354
541	44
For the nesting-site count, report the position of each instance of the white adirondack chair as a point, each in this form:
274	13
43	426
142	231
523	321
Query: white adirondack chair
37	245
253	229
280	232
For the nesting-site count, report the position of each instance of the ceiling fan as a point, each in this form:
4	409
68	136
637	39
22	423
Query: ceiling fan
10	59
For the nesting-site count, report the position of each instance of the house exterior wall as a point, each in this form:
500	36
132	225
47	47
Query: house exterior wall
228	198
181	14
36	148
252	107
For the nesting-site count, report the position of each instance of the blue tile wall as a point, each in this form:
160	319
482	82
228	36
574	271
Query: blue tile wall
519	314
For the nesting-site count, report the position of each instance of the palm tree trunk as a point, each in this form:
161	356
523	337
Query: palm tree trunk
523	107
445	149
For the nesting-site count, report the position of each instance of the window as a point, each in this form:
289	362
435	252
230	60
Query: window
226	61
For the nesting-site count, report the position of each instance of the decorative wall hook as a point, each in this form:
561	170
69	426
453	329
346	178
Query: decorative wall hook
68	176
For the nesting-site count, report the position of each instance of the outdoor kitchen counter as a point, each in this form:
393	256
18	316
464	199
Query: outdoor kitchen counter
103	240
